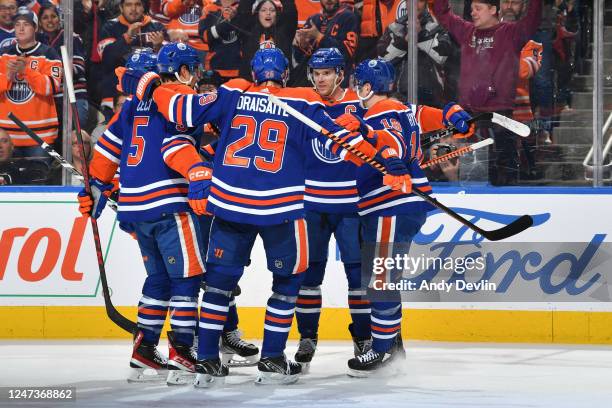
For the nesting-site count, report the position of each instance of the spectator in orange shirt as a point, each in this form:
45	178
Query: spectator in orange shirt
183	19
30	74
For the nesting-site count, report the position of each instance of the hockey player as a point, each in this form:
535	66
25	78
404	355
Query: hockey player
390	212
257	190
235	352
156	185
331	207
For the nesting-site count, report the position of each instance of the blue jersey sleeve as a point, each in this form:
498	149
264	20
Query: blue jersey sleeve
187	109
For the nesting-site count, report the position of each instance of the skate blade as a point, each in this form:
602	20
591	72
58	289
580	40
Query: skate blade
208	381
305	367
145	375
235	360
392	369
264	378
180	377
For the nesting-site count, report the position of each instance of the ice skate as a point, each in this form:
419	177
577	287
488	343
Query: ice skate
146	362
277	370
360	344
181	362
236	352
370	362
305	353
210	373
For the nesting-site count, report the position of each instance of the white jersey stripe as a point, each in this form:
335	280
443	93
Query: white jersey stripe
179	228
245	210
134	190
257	193
316	183
127	208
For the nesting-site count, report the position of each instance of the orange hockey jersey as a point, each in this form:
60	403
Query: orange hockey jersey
186	19
30	95
530	63
390	10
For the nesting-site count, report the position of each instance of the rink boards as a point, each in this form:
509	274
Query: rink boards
50	288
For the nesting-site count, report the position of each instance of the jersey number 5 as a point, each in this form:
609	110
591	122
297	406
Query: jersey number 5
137	144
271	137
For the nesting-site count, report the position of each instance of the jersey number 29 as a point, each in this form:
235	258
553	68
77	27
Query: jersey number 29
271	137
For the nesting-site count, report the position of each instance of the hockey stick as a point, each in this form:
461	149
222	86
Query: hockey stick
515	227
117	318
459	152
512	125
51	152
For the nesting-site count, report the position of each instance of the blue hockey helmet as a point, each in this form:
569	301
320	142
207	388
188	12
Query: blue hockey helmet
326	58
172	56
376	72
269	64
143	59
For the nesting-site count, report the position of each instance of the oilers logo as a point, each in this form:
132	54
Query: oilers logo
401	10
324	154
20	92
7	42
192	16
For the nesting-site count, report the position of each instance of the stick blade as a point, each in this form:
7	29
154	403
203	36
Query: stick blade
515	227
512	125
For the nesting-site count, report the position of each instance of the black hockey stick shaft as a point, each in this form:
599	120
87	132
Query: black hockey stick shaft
510	124
117	318
431	137
515	227
51	152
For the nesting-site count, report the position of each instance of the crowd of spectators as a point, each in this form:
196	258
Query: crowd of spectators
514	57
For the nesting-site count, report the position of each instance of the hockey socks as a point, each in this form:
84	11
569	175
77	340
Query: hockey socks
279	315
232	316
153	306
213	316
308	311
386	324
184	308
359	306
151	317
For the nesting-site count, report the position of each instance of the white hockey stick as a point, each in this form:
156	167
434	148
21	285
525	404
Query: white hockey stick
512	125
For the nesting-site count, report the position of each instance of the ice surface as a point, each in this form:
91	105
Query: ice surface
436	375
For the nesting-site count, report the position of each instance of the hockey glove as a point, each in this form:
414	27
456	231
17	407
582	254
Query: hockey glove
398	177
92	205
393	164
200	175
453	114
352	123
139	83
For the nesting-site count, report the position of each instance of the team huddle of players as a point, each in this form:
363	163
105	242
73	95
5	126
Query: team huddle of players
197	210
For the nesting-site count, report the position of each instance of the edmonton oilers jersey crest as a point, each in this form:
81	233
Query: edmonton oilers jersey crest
192	16
324	154
20	92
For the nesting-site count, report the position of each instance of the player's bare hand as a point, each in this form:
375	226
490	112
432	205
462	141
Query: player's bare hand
188	3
